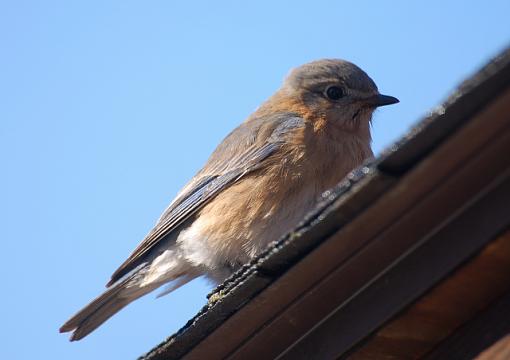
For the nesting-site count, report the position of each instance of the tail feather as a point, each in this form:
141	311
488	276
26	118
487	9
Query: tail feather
102	308
167	267
102	314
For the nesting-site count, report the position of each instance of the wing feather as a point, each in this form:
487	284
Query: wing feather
222	170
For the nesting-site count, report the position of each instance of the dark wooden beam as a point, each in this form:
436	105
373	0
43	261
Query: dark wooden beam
407	279
478	334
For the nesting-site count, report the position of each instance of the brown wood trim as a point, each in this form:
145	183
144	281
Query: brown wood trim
405	281
441	312
478	334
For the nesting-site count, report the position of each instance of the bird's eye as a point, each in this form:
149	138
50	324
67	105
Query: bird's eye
334	93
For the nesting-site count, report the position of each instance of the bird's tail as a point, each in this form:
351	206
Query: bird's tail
103	307
163	269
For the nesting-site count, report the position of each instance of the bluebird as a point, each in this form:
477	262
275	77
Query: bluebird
259	182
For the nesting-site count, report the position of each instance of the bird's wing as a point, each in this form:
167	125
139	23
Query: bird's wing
241	152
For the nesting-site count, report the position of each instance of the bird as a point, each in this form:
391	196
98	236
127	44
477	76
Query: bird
260	181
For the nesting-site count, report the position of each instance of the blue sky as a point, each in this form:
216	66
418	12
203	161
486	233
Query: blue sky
108	108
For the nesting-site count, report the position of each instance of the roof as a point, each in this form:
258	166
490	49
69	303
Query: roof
378	244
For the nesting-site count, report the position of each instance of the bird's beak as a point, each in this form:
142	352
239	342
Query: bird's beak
381	100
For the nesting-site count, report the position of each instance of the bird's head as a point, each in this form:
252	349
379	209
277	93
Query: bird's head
338	92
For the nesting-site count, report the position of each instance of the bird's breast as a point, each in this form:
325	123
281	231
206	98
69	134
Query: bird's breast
263	206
